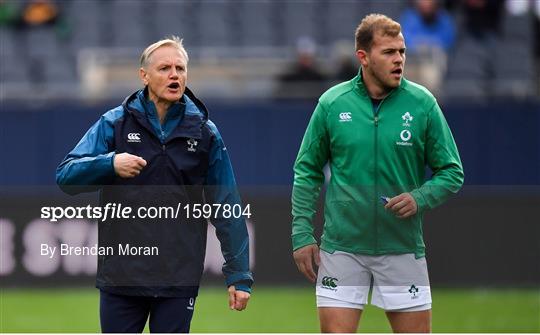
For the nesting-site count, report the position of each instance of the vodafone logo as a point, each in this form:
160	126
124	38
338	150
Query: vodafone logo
405	135
134	137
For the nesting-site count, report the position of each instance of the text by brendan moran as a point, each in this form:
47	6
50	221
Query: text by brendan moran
95	250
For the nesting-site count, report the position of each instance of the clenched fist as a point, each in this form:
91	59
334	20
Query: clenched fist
237	299
128	165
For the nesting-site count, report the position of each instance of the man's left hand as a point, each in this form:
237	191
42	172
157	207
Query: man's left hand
403	205
237	299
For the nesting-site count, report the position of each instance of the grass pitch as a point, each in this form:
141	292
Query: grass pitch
274	310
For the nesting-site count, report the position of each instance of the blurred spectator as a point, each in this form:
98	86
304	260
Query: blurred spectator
427	25
346	66
537	44
347	69
526	11
536	39
483	18
8	13
44	13
305	68
39	12
303	78
429	35
517	7
475	63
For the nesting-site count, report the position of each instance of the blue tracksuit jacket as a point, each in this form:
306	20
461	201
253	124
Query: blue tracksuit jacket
187	162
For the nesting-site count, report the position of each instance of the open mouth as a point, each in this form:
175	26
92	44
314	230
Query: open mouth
397	72
174	86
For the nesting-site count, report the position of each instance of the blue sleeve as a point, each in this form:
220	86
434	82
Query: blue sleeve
409	28
232	232
90	164
449	31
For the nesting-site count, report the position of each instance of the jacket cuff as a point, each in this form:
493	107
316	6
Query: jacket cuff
242	277
243	285
110	156
420	200
302	239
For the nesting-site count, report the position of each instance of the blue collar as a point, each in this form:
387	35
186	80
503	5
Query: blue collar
175	111
174	115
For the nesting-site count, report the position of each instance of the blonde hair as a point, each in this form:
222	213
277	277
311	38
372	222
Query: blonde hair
173	41
372	24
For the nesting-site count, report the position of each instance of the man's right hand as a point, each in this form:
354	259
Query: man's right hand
128	165
304	258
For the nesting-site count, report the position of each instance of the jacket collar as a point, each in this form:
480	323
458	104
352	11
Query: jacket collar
176	110
192	112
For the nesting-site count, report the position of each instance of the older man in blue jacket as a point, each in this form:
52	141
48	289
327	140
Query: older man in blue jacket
159	148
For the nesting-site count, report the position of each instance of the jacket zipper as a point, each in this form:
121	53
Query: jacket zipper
162	140
376	200
376	164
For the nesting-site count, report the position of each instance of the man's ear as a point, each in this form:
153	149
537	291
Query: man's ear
143	76
362	57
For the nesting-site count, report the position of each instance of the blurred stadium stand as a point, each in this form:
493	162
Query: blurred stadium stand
239	48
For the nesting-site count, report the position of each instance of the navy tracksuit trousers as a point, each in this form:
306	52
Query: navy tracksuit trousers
128	314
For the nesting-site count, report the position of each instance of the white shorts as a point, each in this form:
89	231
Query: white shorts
398	282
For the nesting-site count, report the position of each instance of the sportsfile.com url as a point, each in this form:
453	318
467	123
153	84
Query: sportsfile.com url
114	211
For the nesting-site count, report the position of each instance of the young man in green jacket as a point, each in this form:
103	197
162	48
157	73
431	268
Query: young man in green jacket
377	132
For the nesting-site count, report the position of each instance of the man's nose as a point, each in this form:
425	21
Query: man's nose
174	73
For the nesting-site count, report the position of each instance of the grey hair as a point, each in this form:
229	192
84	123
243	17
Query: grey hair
173	41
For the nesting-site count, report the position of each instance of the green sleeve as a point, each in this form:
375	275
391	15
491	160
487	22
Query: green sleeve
309	177
443	159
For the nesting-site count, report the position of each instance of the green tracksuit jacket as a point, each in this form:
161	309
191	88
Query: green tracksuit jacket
373	153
